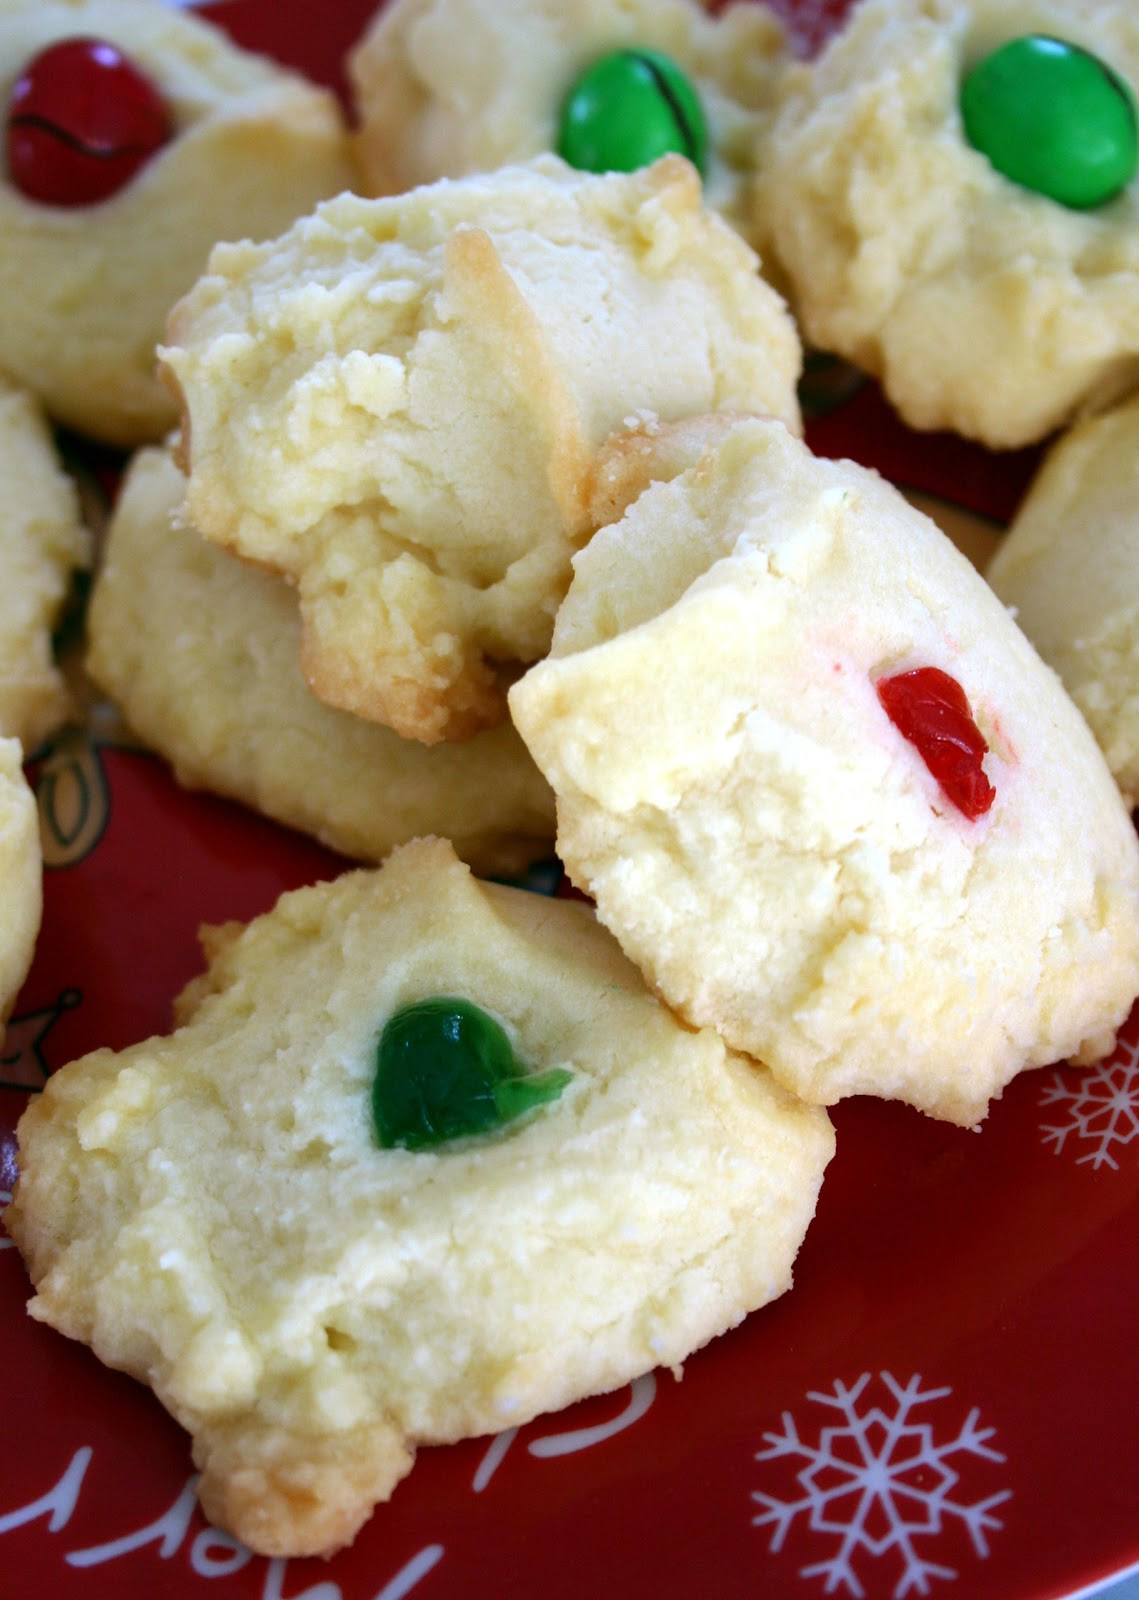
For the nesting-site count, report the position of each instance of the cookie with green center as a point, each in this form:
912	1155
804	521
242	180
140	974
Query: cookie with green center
950	189
440	89
311	1295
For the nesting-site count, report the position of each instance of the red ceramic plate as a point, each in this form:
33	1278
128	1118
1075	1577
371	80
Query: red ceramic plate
947	1402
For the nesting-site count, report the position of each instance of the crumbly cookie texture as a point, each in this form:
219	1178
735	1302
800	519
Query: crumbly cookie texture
199	651
42	542
397	405
1069	569
983	307
440	94
211	1211
255	147
20	876
760	836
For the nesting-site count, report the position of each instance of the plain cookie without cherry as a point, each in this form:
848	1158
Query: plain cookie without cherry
212	1211
763	838
199	651
983	306
42	542
254	146
1069	569
20	876
397	405
440	91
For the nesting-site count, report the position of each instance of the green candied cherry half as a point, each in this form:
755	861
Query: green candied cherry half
628	109
1053	118
446	1070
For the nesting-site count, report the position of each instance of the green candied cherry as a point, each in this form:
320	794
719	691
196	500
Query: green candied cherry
446	1070
1053	118
628	109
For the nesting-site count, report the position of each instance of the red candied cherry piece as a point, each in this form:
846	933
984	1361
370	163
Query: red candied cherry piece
929	708
81	122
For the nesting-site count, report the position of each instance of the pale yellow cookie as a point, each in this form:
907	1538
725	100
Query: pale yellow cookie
398	405
983	306
20	876
448	87
255	147
42	542
1069	569
212	1211
199	651
766	843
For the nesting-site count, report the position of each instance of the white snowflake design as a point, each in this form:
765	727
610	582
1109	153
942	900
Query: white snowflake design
1102	1104
878	1483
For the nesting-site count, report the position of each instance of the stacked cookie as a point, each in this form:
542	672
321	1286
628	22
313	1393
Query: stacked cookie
489	490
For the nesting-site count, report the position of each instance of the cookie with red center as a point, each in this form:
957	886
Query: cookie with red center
134	138
821	787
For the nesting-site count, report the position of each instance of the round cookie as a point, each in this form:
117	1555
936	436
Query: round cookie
254	146
41	543
398	404
20	876
905	886
311	1305
983	306
440	94
1069	569
199	651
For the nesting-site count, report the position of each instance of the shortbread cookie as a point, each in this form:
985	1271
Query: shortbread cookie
214	1212
199	651
909	886
251	147
441	92
1069	568
41	543
20	876
398	404
984	306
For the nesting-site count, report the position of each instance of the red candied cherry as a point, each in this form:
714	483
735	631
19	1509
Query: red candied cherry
929	708
82	120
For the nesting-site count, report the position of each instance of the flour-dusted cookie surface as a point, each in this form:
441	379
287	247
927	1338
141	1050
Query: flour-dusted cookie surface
199	651
984	306
42	542
212	1211
253	146
441	92
763	837
397	405
20	876
1069	568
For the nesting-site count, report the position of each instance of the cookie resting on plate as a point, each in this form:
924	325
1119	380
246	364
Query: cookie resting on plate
1069	569
234	146
984	305
42	542
825	793
397	405
20	876
440	94
215	1211
199	652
